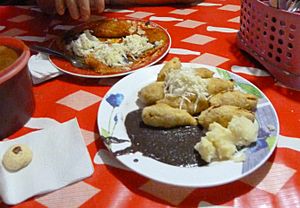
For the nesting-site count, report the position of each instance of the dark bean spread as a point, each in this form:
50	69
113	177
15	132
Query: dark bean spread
172	146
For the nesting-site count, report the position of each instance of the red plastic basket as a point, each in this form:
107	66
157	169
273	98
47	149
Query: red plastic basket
272	37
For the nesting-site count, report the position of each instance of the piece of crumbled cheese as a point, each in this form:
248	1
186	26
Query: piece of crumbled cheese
206	149
217	144
226	149
221	143
217	131
244	130
221	138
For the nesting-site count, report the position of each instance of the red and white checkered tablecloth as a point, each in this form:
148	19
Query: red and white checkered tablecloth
205	33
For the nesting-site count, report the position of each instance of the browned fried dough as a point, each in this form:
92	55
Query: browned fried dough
155	34
111	28
204	73
162	115
191	107
173	64
222	115
152	93
100	67
236	98
216	85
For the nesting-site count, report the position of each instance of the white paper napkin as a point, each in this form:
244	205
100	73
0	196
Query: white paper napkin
60	157
41	69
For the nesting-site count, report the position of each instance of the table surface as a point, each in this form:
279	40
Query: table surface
208	33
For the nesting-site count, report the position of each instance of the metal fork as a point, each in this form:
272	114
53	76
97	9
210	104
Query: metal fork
74	61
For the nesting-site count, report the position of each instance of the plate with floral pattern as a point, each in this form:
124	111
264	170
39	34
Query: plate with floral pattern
122	99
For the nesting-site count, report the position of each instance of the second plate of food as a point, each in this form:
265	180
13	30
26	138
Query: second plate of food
112	47
188	124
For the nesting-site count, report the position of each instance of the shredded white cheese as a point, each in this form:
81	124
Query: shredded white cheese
136	44
84	44
184	83
111	54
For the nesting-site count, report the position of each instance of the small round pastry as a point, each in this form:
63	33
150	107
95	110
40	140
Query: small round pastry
17	157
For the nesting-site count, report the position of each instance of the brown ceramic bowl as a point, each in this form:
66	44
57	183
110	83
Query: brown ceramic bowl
16	96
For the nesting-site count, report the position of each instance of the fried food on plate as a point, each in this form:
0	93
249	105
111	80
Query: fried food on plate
112	28
173	64
204	72
155	34
236	98
112	45
100	67
222	115
152	93
192	105
162	115
216	85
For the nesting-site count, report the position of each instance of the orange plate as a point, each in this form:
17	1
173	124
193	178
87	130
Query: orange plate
68	68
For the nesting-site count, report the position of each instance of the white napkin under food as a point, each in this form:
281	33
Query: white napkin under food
41	69
60	157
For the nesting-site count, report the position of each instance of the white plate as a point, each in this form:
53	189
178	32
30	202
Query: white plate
121	99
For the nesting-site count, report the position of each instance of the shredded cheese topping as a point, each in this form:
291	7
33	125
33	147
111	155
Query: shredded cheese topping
136	45
184	83
111	54
84	44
